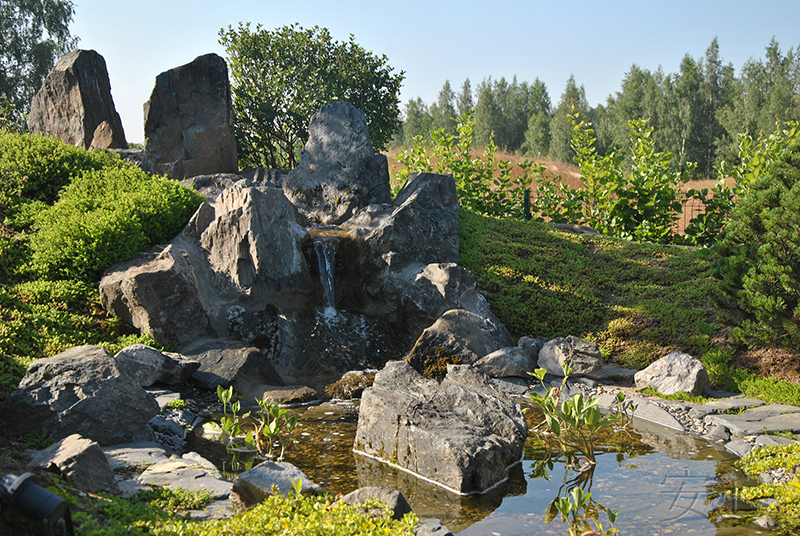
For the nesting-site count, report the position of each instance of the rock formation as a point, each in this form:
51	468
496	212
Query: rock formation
462	434
338	171
81	391
75	104
188	125
677	372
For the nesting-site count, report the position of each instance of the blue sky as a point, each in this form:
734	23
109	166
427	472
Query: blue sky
434	40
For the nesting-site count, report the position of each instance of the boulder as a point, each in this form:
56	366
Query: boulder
420	231
157	294
81	391
190	472
188	126
75	104
507	362
462	434
583	356
232	363
252	240
462	335
237	259
391	497
677	372
141	362
80	460
255	485
338	171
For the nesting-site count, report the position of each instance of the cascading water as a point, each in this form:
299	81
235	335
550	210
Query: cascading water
326	259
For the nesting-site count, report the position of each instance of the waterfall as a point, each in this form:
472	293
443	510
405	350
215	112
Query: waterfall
326	258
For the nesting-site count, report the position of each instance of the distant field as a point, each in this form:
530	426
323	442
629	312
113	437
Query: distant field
571	176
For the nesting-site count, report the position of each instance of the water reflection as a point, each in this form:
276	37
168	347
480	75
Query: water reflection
663	482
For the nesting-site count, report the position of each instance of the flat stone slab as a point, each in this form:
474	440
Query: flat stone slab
721	406
760	420
130	455
740	447
190	472
646	410
767	440
608	373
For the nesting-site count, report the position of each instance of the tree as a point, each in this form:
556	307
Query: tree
464	102
572	100
280	78
418	121
33	34
443	112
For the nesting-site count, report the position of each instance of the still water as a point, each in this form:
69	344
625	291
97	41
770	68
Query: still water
662	482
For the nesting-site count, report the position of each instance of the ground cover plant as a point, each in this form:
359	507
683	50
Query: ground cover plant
65	215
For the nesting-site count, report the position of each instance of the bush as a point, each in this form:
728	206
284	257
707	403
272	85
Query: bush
106	216
37	167
759	265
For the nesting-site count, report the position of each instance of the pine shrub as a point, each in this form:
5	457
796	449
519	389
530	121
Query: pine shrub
759	265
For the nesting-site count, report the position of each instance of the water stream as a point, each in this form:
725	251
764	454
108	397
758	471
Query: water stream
663	482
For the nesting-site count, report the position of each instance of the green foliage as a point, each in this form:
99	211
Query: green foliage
576	423
106	216
786	509
33	34
37	167
578	508
177	403
280	78
642	204
677	396
759	264
176	499
485	183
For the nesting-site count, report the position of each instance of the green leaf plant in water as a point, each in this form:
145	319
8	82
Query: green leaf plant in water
576	424
271	425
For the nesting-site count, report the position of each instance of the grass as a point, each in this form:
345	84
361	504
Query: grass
638	301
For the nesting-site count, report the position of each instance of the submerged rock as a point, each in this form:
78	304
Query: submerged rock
462	434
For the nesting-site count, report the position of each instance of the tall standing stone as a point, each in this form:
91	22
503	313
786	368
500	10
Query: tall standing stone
75	104
338	172
188	121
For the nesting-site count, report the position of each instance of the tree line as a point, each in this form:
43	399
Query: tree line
697	113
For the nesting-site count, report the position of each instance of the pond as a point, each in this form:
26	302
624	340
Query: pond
661	481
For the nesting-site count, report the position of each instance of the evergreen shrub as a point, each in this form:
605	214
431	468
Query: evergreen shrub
759	264
106	216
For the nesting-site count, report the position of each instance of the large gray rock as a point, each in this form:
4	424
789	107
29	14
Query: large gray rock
231	363
583	356
419	229
81	460
677	372
81	391
338	171
255	485
157	295
462	434
188	128
507	362
253	241
237	258
462	335
75	104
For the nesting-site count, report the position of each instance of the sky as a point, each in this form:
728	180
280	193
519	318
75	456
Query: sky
437	40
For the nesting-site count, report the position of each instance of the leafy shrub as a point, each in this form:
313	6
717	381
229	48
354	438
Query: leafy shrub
37	167
759	264
641	204
106	216
485	184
